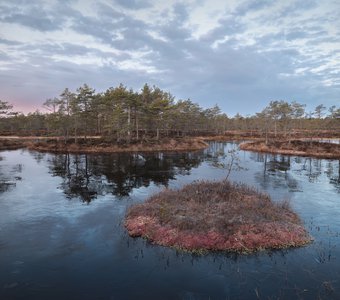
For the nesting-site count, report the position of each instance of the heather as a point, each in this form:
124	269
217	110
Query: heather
216	216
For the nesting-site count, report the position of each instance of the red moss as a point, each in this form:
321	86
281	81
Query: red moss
252	223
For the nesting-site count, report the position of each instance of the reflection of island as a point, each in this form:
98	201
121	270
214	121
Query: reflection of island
9	175
87	176
276	167
333	173
314	168
275	171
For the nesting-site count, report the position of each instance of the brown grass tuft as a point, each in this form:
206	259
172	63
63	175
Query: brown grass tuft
216	216
295	147
102	146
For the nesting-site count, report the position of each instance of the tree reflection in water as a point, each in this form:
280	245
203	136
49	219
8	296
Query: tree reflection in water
9	175
276	167
312	168
275	171
87	176
333	173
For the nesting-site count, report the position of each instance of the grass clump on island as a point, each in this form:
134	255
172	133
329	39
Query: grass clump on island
216	216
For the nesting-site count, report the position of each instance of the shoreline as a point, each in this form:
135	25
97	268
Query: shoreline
97	145
299	147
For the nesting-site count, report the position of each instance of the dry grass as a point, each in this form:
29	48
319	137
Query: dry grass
295	147
102	146
8	144
216	216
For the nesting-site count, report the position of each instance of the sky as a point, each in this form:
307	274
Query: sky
238	54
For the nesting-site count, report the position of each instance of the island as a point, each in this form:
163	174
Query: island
216	216
298	147
101	144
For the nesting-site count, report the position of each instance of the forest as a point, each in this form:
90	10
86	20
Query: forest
125	115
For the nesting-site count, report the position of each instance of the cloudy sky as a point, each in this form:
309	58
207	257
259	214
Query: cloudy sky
239	54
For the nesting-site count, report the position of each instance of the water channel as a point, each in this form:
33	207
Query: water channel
62	233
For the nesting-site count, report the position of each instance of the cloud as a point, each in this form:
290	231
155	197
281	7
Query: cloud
8	42
134	4
238	54
42	23
33	16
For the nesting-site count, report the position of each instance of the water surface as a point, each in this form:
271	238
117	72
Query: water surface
62	233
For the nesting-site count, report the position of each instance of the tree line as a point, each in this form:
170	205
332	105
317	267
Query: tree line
125	115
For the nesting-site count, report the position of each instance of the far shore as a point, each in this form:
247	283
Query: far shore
97	144
300	146
309	148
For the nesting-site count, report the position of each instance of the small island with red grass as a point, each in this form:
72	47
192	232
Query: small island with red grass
216	216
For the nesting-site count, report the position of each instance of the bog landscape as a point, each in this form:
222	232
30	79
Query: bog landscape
164	186
169	150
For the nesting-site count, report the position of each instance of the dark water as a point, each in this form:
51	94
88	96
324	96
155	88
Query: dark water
61	233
